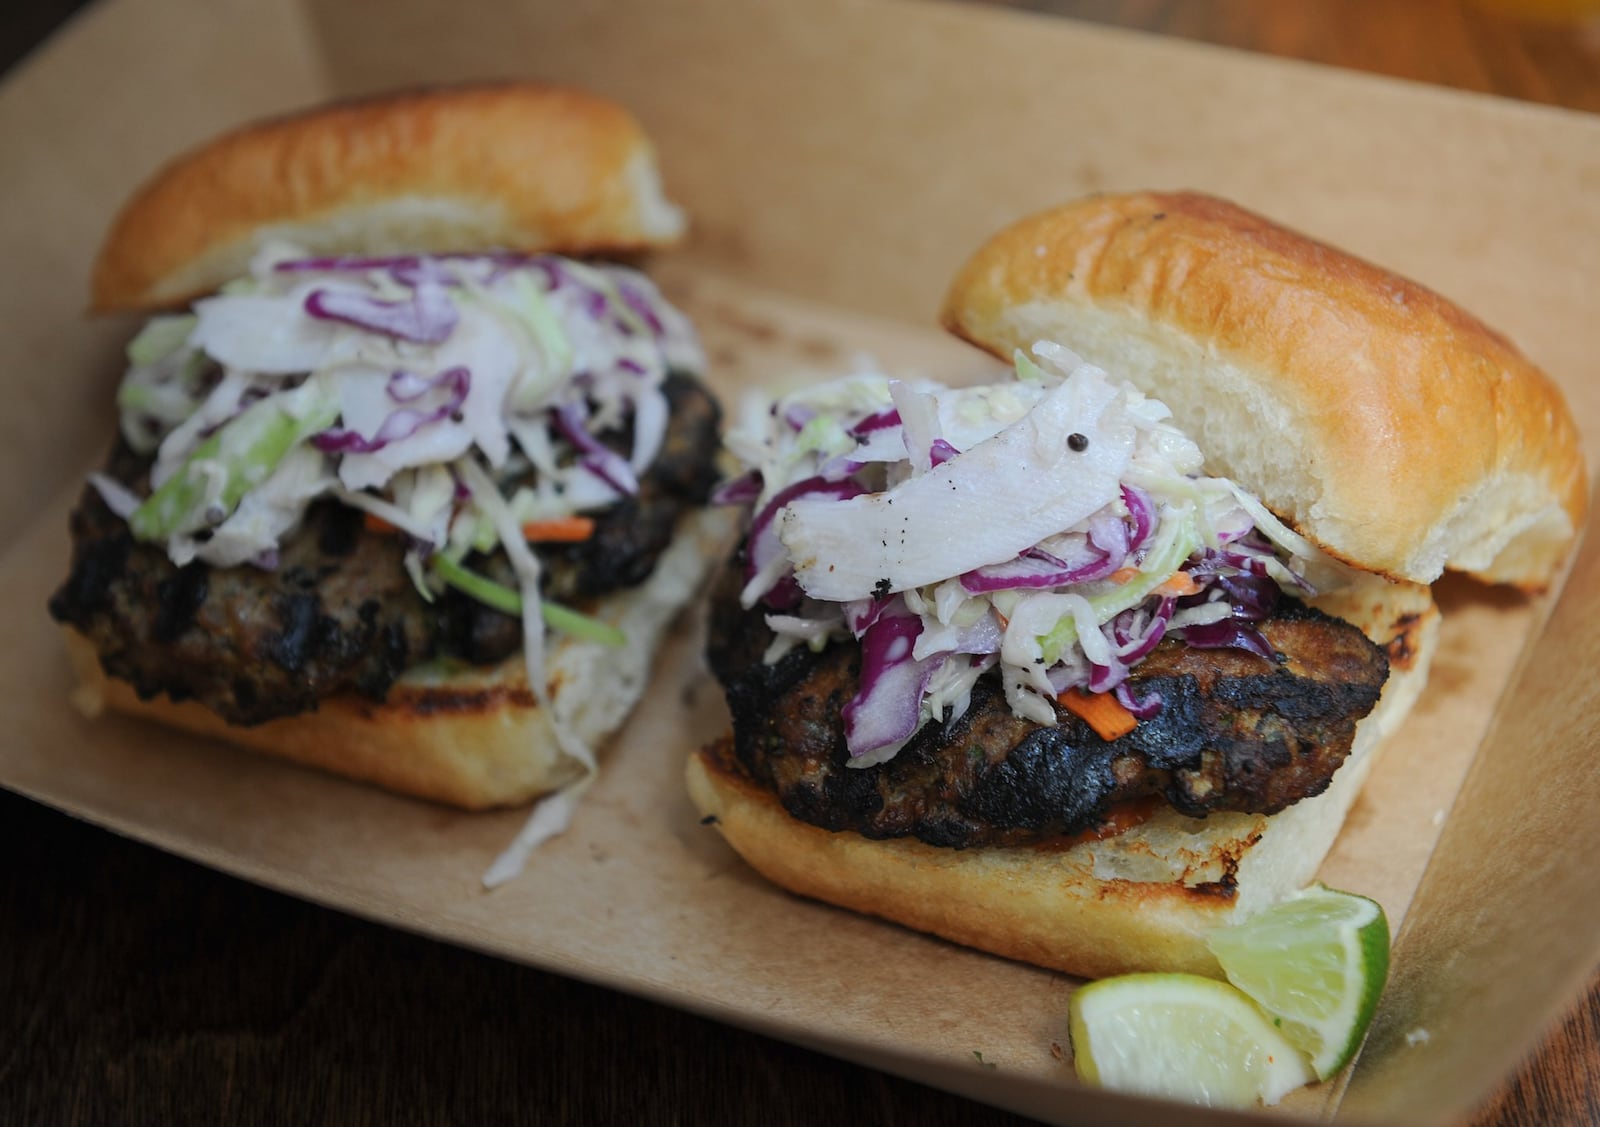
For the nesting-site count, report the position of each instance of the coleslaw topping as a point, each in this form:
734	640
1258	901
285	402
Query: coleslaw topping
455	398
1054	527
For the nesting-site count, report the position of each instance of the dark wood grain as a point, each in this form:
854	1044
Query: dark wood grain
1560	1081
138	988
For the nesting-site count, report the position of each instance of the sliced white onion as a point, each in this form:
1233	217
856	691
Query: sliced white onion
983	507
919	424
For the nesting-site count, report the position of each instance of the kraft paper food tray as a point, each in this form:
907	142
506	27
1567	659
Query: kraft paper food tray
839	161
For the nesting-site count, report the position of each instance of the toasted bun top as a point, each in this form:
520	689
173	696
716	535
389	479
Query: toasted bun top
1379	419
514	166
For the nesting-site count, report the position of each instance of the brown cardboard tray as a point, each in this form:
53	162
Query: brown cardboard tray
840	159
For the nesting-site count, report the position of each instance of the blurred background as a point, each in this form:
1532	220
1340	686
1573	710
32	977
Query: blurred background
1545	51
1535	50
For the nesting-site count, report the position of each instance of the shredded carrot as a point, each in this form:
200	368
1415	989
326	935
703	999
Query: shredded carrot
564	530
375	523
1178	584
1101	711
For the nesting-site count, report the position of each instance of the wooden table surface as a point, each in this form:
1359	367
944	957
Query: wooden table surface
139	988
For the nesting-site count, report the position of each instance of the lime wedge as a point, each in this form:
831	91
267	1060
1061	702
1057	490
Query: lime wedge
1317	964
1181	1037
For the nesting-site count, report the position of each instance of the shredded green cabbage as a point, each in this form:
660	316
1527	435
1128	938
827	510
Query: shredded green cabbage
528	306
239	457
491	594
160	338
1027	370
1175	540
508	601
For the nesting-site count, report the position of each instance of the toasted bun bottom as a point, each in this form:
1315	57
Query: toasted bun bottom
1142	900
474	738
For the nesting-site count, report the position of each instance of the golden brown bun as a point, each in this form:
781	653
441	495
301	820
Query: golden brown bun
1142	900
1375	416
470	738
514	166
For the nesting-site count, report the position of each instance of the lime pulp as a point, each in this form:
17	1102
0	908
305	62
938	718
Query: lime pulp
1316	963
1182	1037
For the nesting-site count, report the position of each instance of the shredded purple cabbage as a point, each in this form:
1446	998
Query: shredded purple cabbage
861	614
636	302
1249	553
1036	569
940	452
404	423
571	420
423	271
1143	512
1147	707
880	420
1252	597
888	705
346	263
429	317
742	490
1136	631
1228	634
1104	678
408	387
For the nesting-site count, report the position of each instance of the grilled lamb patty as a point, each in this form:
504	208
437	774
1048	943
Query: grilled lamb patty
1236	732
339	614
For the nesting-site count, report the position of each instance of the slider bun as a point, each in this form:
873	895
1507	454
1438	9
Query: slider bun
474	738
514	166
1140	901
1376	417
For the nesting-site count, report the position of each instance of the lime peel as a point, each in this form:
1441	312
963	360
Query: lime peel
1316	962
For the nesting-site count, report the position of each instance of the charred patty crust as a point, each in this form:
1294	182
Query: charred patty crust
339	614
1236	732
